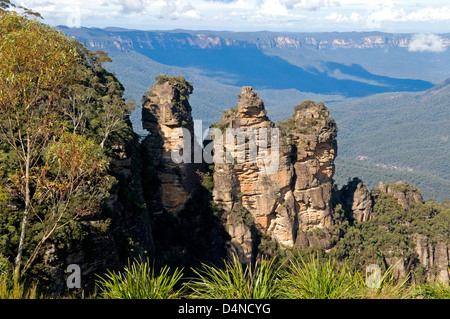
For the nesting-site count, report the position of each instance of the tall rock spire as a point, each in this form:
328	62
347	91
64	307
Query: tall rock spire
165	111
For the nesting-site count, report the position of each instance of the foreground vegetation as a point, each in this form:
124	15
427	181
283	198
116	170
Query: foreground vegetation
297	277
61	113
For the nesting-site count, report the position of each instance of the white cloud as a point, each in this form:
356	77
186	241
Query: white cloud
132	6
430	14
178	9
287	15
387	12
355	17
311	4
273	8
426	43
336	17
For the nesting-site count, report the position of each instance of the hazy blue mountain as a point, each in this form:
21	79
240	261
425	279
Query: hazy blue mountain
403	132
242	61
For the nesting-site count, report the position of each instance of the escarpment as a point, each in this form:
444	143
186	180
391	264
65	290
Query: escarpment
291	198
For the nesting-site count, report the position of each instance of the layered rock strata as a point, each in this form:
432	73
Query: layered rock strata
283	202
433	257
167	116
402	191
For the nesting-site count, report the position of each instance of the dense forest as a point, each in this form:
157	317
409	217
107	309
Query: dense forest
60	114
64	132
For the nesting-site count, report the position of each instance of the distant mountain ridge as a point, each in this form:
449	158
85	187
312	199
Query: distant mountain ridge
240	59
125	39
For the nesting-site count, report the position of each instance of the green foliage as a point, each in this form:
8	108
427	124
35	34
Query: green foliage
304	105
208	181
94	105
310	125
76	157
184	87
388	286
433	290
235	281
57	97
392	233
140	281
313	279
11	287
14	289
3	195
7	5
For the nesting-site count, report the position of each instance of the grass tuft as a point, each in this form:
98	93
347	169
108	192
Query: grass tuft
235	281
139	281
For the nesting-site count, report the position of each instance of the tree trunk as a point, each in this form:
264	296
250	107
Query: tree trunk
18	260
105	137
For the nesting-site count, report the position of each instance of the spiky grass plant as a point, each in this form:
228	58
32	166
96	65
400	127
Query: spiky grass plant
235	281
12	288
313	279
139	281
434	290
387	287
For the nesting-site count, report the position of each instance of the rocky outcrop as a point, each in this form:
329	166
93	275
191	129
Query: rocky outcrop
405	194
186	230
293	198
433	257
166	111
357	200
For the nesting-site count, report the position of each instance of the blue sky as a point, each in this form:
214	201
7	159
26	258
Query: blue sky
431	16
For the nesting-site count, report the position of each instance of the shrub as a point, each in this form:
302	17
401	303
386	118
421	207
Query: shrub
434	290
314	279
389	287
236	281
139	281
12	288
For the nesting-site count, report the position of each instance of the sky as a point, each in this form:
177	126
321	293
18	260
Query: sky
432	16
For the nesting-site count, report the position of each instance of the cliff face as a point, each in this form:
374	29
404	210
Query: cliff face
294	198
261	40
185	229
433	257
357	200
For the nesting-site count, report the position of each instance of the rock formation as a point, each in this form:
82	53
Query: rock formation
433	257
166	111
357	200
402	191
186	231
292	199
